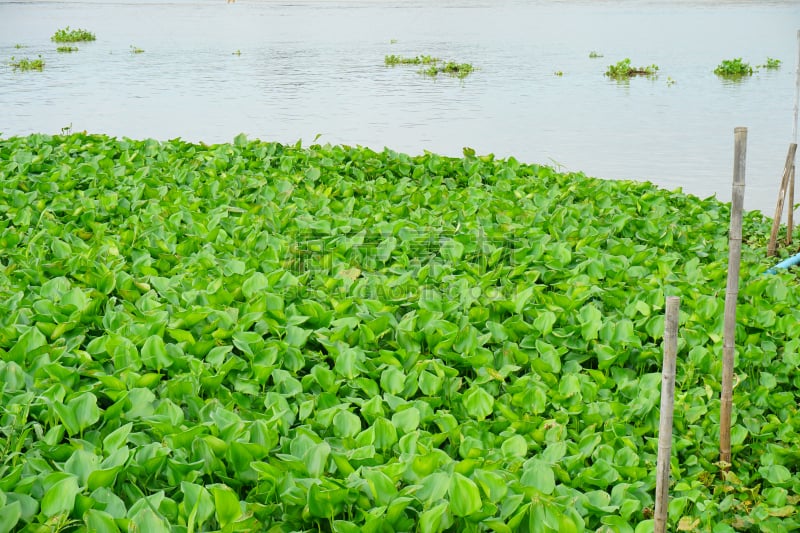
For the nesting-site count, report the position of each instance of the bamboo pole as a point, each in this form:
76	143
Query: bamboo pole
776	221
790	213
731	295
667	407
796	91
790	222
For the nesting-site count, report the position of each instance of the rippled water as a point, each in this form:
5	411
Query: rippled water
310	67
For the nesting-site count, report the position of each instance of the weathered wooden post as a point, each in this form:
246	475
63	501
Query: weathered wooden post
731	295
790	222
776	221
667	407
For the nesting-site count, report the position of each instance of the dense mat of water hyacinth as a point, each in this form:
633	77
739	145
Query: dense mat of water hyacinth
264	337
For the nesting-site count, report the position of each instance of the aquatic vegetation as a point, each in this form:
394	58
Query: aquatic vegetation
393	41
435	67
451	68
136	50
19	46
26	64
558	73
594	54
772	64
237	53
255	336
733	68
623	70
67	49
392	60
66	35
670	81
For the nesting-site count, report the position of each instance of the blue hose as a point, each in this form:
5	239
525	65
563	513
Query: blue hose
786	263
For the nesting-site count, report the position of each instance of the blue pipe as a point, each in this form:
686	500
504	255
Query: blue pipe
786	263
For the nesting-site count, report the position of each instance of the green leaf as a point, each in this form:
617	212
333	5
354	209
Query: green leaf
27	344
154	353
406	420
776	474
312	174
325	502
316	459
478	403
385	249
346	424
522	298
100	521
380	485
117	438
198	503
435	519
147	520
60	496
10	516
226	504
433	487
515	446
492	483
539	475
591	320
255	285
465	498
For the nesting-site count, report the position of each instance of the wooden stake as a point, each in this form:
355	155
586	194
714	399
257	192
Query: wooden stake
667	407
790	222
776	221
790	213
731	295
796	91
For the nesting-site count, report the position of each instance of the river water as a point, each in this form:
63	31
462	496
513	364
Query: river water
295	69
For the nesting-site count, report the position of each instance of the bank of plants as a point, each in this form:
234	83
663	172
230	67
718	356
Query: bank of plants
771	64
450	68
264	337
624	70
67	35
393	60
733	68
433	66
25	64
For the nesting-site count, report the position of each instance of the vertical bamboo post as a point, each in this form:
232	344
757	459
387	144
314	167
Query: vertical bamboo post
667	407
731	295
796	91
790	222
790	213
776	221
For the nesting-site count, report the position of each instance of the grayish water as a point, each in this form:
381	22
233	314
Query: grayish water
311	67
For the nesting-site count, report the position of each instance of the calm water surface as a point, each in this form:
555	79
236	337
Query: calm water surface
310	67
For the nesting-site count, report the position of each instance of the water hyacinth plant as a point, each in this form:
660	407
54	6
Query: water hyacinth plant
623	70
66	49
733	68
772	64
392	60
67	35
25	64
435	66
254	336
450	68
